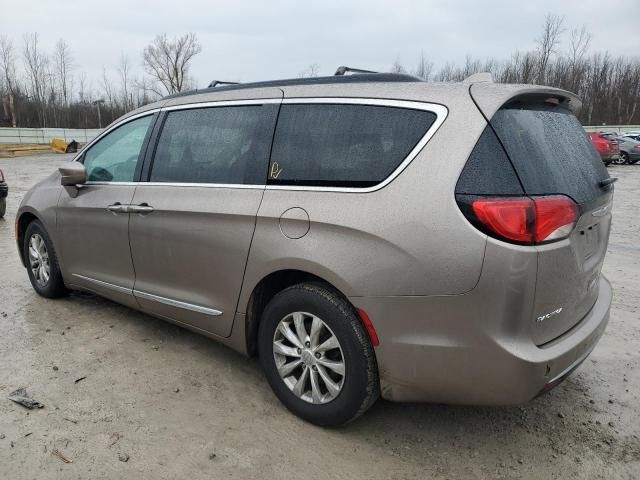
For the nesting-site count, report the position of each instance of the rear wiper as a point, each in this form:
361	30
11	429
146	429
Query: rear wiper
608	182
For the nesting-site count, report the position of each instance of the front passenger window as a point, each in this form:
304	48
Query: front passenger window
114	157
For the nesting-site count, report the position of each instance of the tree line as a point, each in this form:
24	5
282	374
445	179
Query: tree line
608	85
48	89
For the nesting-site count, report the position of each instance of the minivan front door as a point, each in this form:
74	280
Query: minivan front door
192	223
93	225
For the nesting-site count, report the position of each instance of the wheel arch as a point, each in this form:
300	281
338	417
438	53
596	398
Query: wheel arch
266	289
22	222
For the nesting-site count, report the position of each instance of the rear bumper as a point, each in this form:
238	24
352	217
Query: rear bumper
455	350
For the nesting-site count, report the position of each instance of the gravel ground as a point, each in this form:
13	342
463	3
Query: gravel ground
156	401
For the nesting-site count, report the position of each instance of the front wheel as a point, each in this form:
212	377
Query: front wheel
42	262
317	356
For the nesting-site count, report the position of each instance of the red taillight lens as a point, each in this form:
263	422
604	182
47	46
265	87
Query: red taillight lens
636	147
511	219
555	217
527	220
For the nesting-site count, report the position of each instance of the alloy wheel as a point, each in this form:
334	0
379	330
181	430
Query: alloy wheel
309	358
39	260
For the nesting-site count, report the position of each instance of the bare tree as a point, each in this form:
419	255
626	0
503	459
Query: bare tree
63	62
579	42
548	42
123	71
8	66
311	71
36	65
424	68
82	88
167	60
397	67
107	88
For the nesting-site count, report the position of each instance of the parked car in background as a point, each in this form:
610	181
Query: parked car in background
4	191
633	135
608	149
629	150
343	230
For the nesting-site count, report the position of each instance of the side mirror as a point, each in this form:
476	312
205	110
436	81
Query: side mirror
72	174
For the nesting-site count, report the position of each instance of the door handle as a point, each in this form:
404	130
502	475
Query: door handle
117	208
142	209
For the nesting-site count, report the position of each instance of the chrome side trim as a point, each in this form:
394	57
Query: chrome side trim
125	184
217	185
222	103
108	285
176	303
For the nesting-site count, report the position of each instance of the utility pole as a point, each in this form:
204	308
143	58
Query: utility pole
97	104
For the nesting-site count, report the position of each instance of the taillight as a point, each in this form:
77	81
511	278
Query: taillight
522	220
636	147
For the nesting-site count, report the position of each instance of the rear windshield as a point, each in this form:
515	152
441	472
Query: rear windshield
550	151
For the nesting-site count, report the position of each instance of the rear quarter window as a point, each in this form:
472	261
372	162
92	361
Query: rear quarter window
343	145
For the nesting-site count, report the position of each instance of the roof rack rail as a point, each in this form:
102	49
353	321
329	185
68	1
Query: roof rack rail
215	83
342	70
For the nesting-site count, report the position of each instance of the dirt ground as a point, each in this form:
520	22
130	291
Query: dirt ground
178	405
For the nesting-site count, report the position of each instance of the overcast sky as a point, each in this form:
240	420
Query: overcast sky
258	40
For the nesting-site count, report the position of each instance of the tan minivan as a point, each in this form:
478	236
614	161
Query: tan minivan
364	235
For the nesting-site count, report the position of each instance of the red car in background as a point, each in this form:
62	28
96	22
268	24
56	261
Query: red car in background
609	150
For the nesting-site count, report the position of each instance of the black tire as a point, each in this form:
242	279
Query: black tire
54	286
361	387
3	207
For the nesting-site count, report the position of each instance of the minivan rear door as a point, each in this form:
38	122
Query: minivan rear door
552	156
193	217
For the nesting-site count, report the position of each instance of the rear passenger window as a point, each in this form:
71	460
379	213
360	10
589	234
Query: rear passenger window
342	145
215	145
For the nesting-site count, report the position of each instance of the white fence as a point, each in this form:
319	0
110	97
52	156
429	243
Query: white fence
613	128
44	135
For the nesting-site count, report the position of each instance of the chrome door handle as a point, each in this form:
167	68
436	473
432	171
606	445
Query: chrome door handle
142	209
117	208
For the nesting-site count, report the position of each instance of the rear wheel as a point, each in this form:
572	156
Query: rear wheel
3	207
624	158
317	356
42	262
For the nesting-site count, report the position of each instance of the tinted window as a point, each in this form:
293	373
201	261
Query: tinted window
550	151
488	170
215	145
114	157
343	145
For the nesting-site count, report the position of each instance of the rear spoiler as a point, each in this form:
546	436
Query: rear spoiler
489	96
